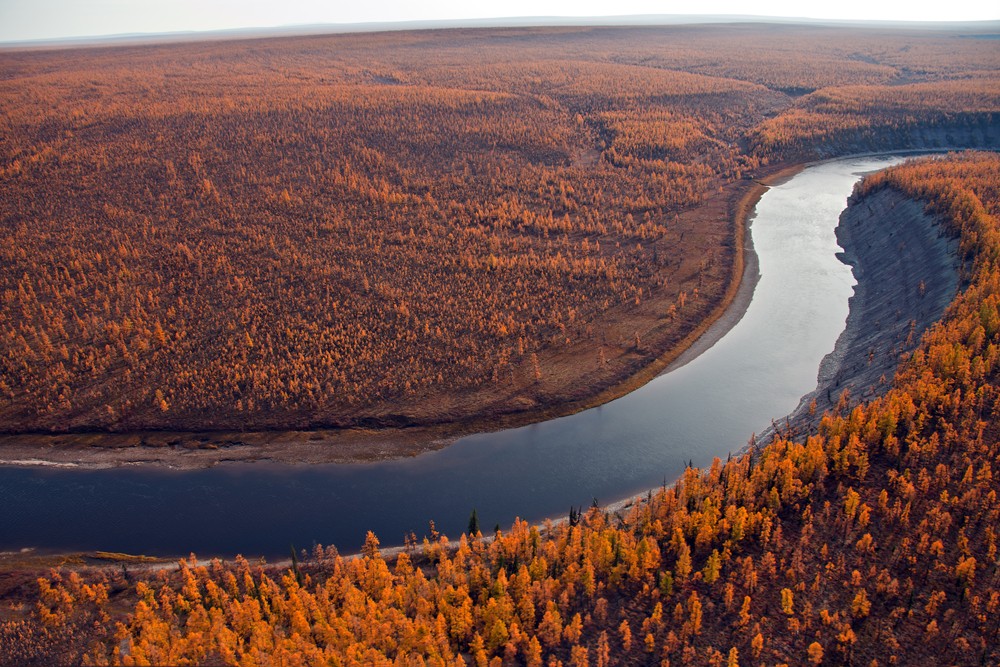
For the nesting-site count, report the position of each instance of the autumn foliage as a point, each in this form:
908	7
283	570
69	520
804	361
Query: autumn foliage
871	541
408	227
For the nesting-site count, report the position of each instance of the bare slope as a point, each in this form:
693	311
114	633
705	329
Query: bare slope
906	266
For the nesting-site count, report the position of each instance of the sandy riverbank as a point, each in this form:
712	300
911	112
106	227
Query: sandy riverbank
748	267
193	450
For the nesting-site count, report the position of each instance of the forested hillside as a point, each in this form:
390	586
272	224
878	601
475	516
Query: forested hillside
873	541
410	228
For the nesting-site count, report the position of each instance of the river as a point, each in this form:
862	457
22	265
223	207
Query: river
706	408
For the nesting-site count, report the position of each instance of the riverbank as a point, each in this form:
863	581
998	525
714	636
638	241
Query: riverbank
647	433
904	285
201	450
746	268
907	272
664	346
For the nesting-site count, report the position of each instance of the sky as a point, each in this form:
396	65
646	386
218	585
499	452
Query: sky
23	20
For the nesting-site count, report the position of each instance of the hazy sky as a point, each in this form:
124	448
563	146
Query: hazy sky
46	19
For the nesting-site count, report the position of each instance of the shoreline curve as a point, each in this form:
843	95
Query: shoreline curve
858	248
197	450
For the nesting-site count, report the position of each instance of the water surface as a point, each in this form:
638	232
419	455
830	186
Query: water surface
704	409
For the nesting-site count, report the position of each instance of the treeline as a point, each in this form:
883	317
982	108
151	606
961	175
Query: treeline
873	541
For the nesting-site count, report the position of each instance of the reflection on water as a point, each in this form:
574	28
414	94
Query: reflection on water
707	408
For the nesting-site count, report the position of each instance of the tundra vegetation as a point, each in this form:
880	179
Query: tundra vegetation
872	541
406	228
218	218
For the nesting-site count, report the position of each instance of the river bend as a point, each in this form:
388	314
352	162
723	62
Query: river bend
706	408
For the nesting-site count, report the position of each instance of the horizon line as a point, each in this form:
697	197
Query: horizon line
361	27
